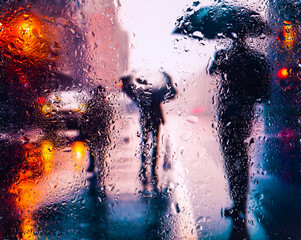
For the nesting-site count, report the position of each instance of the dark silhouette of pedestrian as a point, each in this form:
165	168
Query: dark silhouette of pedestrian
95	128
244	82
95	125
148	100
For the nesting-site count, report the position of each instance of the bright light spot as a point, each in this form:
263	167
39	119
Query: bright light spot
28	229
47	150
82	108
283	73
79	150
47	109
27	35
25	27
41	100
287	22
289	35
29	31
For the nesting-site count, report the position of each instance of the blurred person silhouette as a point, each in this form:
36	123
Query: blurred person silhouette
244	82
94	128
148	100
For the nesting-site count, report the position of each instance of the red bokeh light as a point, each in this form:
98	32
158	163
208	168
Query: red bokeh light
41	100
282	73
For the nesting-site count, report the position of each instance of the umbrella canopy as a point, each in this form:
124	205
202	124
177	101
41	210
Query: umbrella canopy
221	21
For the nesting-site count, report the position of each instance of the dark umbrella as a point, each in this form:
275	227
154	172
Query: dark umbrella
221	21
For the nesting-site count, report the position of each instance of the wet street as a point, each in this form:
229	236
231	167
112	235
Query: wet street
74	204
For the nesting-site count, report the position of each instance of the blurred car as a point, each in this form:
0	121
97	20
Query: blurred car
63	108
61	104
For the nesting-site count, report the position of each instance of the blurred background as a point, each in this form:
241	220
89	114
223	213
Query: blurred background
54	53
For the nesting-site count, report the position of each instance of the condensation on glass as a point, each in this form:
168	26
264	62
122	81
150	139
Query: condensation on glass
123	119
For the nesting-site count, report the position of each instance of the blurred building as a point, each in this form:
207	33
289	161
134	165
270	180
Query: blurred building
106	44
92	45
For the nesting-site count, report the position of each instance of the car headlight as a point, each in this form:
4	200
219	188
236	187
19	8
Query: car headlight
82	108
47	109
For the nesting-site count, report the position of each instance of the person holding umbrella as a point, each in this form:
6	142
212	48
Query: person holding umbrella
148	100
244	82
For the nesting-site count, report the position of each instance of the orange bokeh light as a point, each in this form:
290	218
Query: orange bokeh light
27	195
28	229
288	34
47	150
26	35
79	150
283	73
